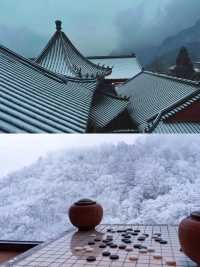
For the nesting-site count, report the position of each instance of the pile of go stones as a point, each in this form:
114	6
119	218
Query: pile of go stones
126	245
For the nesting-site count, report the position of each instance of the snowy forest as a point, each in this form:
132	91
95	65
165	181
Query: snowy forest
154	180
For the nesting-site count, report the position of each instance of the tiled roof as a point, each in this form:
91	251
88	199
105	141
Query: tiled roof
161	126
35	100
106	108
124	67
177	128
152	93
61	56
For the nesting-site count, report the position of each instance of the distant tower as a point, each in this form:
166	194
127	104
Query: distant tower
184	67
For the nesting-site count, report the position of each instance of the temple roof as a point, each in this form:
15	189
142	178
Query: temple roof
35	100
161	125
106	108
152	93
124	67
62	57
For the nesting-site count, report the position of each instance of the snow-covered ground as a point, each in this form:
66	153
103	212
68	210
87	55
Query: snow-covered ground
155	180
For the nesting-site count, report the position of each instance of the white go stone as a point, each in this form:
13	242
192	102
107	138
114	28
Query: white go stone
78	248
157	256
89	250
133	258
170	262
92	235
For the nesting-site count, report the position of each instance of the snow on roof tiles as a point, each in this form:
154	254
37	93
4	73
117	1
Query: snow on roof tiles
61	56
123	67
151	93
35	100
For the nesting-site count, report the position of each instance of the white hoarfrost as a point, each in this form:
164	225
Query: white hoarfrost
156	180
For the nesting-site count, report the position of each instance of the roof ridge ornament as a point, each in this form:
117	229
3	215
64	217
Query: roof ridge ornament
58	25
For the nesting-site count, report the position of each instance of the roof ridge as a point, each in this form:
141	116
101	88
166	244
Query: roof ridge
106	57
85	58
44	71
177	79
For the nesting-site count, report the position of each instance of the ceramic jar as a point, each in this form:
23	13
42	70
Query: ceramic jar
189	236
85	214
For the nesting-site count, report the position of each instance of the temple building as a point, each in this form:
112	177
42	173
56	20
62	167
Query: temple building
63	91
162	104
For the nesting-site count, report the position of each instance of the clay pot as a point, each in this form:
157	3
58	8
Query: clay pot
85	214
189	236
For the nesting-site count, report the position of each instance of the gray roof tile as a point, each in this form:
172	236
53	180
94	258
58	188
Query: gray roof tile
35	100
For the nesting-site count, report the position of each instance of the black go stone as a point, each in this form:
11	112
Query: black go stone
109	229
137	231
91	258
163	242
146	235
122	247
91	243
106	241
102	246
158	239
106	254
114	257
134	233
127	241
141	238
113	246
138	246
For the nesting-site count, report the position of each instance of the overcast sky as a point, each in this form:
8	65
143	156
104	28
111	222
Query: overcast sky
96	27
21	150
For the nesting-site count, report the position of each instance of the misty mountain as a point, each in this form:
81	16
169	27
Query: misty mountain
156	180
166	54
22	40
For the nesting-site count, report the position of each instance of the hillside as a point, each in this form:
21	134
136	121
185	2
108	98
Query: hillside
155	180
167	52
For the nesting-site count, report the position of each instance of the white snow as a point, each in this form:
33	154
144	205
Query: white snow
155	180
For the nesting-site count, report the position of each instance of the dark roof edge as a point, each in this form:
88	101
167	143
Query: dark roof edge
114	57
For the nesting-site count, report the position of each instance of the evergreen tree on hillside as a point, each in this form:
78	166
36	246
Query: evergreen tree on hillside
184	67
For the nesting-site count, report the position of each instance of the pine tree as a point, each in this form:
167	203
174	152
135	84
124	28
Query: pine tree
184	67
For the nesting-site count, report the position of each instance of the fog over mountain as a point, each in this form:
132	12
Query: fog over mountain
154	180
96	27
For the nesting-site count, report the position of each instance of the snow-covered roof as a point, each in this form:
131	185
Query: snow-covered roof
106	108
124	67
162	125
35	100
152	93
62	57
